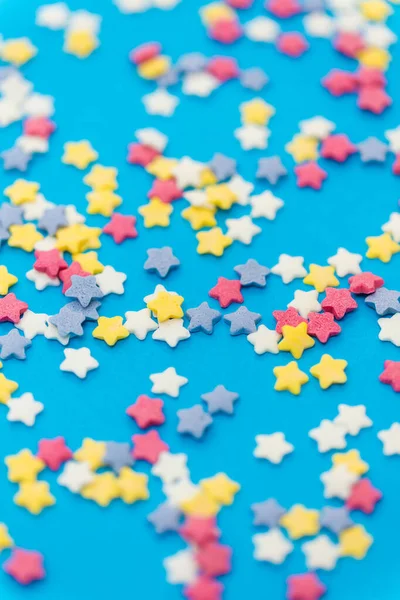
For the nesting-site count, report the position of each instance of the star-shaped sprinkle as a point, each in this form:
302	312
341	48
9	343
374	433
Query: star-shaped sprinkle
54	452
53	219
267	513
7	387
353	418
365	283
295	340
16	159
289	267
322	326
22	191
265	205
272	447
381	246
50	262
390	439
117	455
213	241
181	567
84	289
352	461
252	273
355	542
221	488
10	215
140	323
79	154
75	476
166	306
384	301
321	553
132	486
25	566
193	421
165	518
329	436
345	262
79	362
305	303
67	322
214	559
300	522
305	587
373	150
24	409
335	519
171	467
272	546
13	345
111	330
226	292
146	411
321	277
23	466
111	281
199	530
148	446
289	378
310	175
24	237
242	321
271	169
203	318
364	496
121	227
390	329
329	371
264	340
103	489
223	166
34	496
161	261
167	382
220	400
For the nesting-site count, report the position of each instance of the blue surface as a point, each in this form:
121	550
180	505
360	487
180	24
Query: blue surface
98	553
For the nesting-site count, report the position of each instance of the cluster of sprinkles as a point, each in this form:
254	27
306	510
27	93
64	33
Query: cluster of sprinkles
63	248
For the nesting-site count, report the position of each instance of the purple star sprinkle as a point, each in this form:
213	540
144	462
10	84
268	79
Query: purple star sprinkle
10	215
384	301
203	318
118	455
68	322
253	79
222	166
335	519
169	78
267	513
192	62
165	517
271	168
89	312
161	261
16	159
53	219
373	150
220	400
84	289
13	345
242	321
252	273
193	421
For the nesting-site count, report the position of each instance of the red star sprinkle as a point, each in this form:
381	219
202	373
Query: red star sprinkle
366	76
311	175
339	302
349	44
365	283
50	262
226	31
11	309
374	99
39	127
144	52
364	496
223	68
25	566
391	374
226	292
337	147
121	227
214	559
147	411
54	452
290	316
304	587
292	44
148	446
396	165
339	82
167	191
66	274
283	9
199	530
322	326
204	588
139	154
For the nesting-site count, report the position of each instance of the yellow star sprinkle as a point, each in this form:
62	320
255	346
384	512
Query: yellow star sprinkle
132	486
221	196
329	371
91	237
256	112
77	238
102	178
382	247
374	58
34	496
155	213
375	10
6	540
7	387
18	51
289	378
102	202
80	43
102	489
300	521
79	154
207	177
162	168
166	306
352	460
154	67
295	340
321	277
22	191
89	262
92	453
199	217
212	241
302	148
24	237
23	466
355	542
200	505
6	280
111	330
216	11
220	488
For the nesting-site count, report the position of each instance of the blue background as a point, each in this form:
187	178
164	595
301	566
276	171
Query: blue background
95	553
